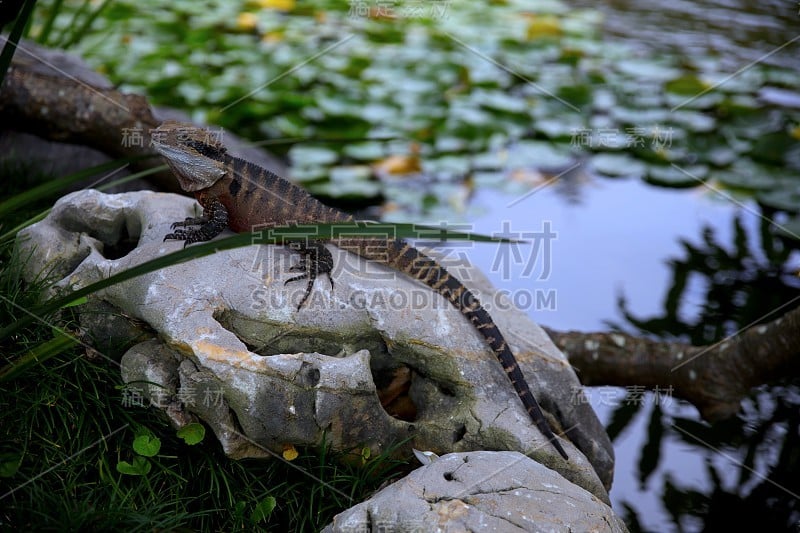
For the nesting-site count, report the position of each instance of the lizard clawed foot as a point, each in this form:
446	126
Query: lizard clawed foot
315	259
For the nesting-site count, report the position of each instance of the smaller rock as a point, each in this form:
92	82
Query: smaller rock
480	491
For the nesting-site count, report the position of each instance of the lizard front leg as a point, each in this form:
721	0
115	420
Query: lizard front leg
315	259
211	224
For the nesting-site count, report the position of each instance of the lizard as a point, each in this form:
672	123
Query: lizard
240	195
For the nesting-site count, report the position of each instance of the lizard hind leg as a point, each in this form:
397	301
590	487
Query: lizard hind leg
315	259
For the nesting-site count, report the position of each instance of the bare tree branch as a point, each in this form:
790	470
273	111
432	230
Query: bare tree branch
714	378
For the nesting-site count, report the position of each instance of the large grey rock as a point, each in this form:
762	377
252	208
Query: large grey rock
480	491
226	323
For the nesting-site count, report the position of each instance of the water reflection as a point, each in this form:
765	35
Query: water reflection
752	461
671	265
732	32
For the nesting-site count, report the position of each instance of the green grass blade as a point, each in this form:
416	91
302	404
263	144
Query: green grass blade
48	24
41	353
83	30
14	36
52	187
12	233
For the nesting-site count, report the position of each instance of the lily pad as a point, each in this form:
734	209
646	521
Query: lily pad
693	120
772	147
312	156
789	229
649	69
617	165
557	127
488	161
368	151
356	190
721	156
306	174
747	176
672	176
350	173
488	179
538	154
447	166
686	85
782	198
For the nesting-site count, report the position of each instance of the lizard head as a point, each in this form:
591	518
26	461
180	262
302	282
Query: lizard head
194	154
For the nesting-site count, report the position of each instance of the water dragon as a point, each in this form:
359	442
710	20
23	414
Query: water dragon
240	195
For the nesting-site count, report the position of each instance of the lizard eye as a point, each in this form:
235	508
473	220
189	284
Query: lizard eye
208	150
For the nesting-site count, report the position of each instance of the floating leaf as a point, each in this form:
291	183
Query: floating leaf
488	161
784	198
350	173
541	26
539	154
790	228
398	164
721	156
312	155
280	5
499	100
578	95
670	176
648	69
617	165
192	433
488	179
772	147
693	120
305	174
748	175
369	151
686	85
246	21
356	190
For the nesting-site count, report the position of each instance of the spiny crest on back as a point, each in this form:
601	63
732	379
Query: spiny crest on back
195	155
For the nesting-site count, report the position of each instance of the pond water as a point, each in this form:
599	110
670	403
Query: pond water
621	238
618	239
736	32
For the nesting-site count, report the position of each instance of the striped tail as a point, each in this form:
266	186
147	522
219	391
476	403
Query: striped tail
405	258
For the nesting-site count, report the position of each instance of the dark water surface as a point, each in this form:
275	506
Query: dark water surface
618	240
735	32
627	239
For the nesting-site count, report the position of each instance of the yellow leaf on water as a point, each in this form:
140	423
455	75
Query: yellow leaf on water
246	21
400	164
272	37
280	5
795	132
289	452
541	26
